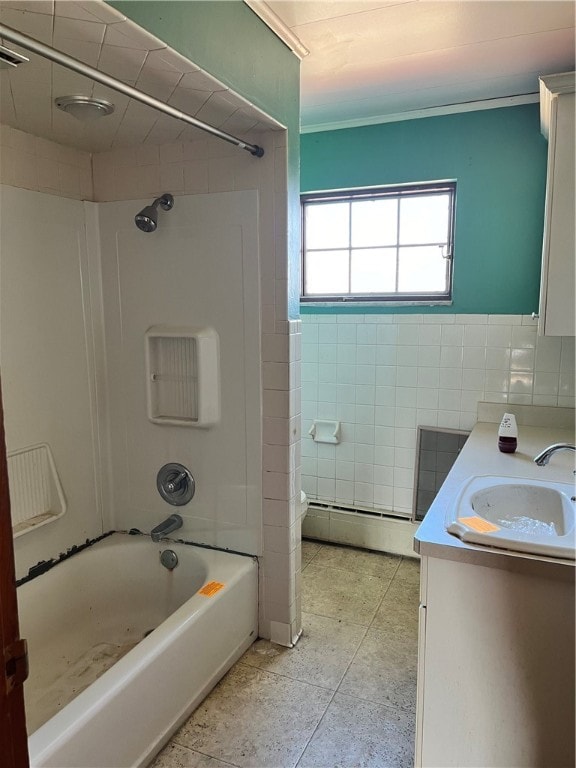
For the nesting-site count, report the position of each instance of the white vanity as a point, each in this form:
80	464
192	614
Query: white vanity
496	635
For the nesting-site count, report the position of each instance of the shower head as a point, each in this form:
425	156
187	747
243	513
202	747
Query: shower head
147	219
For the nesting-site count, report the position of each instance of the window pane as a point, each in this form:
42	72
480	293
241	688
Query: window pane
424	219
327	225
422	270
326	272
375	244
374	270
374	222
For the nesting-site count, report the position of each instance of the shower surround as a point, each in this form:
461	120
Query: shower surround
65	248
198	270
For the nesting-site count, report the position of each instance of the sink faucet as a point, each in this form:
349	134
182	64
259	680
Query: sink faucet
171	523
544	456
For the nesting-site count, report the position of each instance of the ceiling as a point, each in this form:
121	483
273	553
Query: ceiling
368	62
373	61
98	35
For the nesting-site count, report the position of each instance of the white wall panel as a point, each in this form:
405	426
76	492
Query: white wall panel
45	358
199	268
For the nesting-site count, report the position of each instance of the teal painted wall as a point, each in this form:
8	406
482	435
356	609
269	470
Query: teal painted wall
228	40
498	158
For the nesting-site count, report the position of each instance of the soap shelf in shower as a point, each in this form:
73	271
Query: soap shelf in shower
36	495
182	367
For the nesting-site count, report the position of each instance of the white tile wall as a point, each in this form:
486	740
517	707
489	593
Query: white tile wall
383	375
30	162
182	167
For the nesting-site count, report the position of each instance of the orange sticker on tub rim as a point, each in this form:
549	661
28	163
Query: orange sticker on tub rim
210	589
479	524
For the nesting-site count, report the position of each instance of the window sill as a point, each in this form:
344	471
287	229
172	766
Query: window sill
362	306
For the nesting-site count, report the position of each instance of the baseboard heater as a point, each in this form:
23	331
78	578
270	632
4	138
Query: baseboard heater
356	510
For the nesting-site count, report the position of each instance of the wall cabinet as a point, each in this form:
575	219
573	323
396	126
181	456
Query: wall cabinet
496	665
556	312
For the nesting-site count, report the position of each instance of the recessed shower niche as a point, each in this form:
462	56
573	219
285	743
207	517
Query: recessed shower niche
183	381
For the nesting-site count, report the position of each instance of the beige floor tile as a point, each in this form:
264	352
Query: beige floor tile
399	608
361	734
255	719
409	570
309	550
384	670
175	756
358	560
320	657
339	594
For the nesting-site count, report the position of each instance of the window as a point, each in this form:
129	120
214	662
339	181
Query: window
385	244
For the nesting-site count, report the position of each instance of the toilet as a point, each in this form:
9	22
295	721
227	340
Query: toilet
303	505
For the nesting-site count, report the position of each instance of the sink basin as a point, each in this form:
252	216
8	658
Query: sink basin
513	513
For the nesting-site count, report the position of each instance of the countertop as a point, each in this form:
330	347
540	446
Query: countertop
480	456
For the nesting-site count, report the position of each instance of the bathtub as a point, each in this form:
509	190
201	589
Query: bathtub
122	649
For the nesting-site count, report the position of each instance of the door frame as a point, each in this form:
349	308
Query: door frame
13	735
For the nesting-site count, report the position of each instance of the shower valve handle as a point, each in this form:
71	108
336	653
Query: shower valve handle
175	484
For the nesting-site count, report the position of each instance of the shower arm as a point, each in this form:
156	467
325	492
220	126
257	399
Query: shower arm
47	52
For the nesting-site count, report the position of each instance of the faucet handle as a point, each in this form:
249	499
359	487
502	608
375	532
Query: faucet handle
175	484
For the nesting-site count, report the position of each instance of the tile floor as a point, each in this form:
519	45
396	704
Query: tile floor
344	697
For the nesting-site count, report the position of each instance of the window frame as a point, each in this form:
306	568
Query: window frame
374	193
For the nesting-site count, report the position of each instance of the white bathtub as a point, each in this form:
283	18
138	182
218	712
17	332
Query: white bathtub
96	606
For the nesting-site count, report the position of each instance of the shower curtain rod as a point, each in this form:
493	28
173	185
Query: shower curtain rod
35	46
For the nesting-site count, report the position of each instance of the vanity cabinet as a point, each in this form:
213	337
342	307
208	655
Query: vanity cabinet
496	664
557	309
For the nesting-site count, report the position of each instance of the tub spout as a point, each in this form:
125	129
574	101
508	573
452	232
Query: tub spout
171	523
